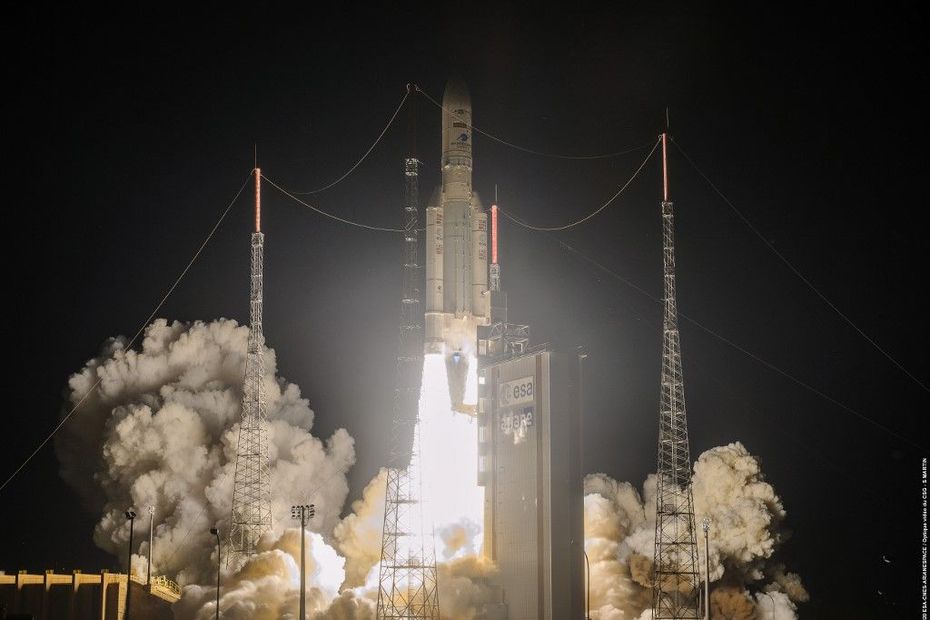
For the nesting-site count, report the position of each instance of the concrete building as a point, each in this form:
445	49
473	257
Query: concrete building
84	596
529	464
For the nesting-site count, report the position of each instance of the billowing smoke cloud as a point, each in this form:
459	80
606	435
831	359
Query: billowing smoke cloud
358	536
745	530
267	587
161	430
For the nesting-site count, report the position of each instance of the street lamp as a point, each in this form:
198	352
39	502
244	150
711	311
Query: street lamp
216	533
587	563
302	512
706	527
151	544
772	598
131	515
587	600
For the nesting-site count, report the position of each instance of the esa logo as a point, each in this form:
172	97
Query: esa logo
517	392
522	391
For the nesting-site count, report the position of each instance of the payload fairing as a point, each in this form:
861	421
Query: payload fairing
457	300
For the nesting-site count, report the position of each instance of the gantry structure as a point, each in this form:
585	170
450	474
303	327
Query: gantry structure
251	506
408	586
675	591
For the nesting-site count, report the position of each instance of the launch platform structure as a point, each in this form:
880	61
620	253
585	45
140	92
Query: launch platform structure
675	591
408	585
251	506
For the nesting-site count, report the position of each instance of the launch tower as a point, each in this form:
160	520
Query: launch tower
408	584
675	586
251	506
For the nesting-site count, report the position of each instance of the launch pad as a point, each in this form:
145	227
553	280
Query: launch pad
518	457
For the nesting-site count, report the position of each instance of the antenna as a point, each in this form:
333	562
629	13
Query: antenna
494	233
251	501
664	169
411	126
675	591
494	269
258	199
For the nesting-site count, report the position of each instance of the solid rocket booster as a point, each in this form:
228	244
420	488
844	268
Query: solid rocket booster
457	250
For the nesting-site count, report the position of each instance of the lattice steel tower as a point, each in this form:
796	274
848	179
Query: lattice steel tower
408	582
251	506
675	588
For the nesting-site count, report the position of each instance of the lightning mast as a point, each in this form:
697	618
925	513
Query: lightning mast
499	337
675	585
494	270
251	507
408	581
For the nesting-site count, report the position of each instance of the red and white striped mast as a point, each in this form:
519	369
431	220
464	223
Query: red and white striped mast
251	506
495	268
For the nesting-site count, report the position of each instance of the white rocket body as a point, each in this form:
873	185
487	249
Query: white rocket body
457	299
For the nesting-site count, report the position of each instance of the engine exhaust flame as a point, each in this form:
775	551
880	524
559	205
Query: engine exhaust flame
452	498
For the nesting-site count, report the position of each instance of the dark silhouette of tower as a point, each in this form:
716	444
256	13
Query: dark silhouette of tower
408	582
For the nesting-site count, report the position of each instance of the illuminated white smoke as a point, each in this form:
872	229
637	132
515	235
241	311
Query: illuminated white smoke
267	586
358	536
745	530
162	427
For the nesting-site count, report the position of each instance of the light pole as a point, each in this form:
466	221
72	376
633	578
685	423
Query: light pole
302	512
706	526
771	598
131	515
587	580
587	600
216	533
151	543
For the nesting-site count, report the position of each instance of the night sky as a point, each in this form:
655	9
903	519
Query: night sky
126	134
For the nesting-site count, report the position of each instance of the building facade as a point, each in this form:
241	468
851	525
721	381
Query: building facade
84	596
529	438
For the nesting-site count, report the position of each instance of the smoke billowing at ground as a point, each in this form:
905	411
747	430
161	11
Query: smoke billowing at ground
746	519
161	429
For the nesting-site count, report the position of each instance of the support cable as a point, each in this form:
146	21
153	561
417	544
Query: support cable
520	222
741	349
796	272
135	337
367	153
528	150
330	215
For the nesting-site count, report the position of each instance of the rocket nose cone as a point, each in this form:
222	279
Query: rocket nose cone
456	94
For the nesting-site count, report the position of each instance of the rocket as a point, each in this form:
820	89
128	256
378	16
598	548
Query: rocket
457	299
